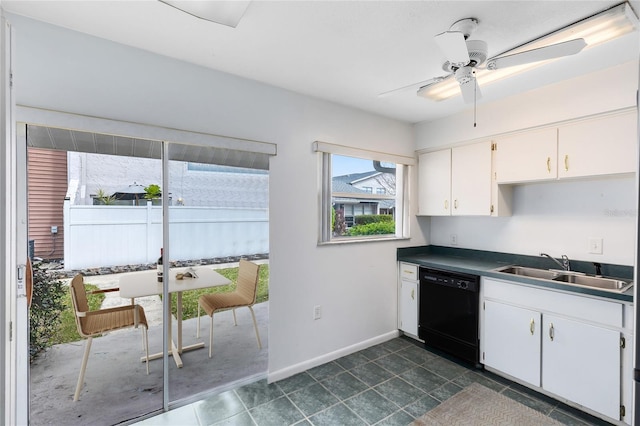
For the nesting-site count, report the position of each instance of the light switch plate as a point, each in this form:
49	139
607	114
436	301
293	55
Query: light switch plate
595	245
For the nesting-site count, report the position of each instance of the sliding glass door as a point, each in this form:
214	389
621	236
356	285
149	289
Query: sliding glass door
102	208
216	215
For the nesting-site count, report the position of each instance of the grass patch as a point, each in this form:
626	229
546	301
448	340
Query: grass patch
190	298
68	332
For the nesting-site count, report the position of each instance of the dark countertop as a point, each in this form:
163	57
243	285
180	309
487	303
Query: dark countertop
478	262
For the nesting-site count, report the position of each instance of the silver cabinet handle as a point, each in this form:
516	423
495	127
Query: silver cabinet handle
413	294
532	326
551	332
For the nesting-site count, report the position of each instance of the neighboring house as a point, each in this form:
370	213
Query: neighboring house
54	175
47	186
354	194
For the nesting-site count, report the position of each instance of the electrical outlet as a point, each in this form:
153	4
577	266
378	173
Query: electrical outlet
454	239
317	312
54	229
595	245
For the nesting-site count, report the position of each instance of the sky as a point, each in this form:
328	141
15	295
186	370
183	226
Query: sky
342	165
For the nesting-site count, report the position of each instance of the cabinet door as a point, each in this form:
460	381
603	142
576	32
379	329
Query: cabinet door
409	307
434	183
581	362
598	147
512	341
526	157
471	179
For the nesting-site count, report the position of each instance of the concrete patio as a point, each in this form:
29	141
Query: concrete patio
117	388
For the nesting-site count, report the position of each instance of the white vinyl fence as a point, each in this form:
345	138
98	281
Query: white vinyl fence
96	236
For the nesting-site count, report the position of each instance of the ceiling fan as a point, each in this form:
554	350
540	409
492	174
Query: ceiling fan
465	56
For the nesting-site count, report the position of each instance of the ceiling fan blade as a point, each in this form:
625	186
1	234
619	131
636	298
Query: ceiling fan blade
557	50
452	44
412	87
426	90
470	91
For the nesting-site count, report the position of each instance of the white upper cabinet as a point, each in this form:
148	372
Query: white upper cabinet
471	179
525	157
434	183
476	179
599	146
455	181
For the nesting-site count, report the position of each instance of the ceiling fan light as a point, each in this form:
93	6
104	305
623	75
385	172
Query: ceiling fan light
597	29
440	91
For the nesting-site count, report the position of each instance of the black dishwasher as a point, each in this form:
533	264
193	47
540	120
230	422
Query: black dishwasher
449	304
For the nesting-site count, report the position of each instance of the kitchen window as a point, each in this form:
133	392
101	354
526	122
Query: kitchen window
363	194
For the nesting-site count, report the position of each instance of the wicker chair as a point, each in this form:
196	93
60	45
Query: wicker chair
95	323
244	295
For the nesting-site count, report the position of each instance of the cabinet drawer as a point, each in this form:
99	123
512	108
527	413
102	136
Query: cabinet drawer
408	271
578	307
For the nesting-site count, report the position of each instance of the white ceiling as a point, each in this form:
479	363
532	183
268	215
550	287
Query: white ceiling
346	52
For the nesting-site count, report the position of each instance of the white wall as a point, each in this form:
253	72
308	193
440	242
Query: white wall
89	173
355	284
556	217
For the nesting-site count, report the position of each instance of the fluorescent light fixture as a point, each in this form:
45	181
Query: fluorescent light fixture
222	12
597	29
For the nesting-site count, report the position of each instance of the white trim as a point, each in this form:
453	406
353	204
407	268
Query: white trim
86	123
349	151
283	373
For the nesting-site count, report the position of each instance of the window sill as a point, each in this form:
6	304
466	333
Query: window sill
354	240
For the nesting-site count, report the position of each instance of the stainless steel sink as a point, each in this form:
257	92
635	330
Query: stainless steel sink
603	283
528	272
569	277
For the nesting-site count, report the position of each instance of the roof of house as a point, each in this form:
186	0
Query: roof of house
344	183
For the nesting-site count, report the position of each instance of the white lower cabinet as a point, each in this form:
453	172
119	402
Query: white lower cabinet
581	362
408	299
567	345
512	341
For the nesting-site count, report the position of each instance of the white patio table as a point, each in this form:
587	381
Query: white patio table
145	283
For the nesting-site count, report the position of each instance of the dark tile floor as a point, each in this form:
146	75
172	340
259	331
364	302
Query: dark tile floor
389	384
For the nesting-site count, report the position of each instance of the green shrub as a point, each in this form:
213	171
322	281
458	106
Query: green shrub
376	228
366	219
44	314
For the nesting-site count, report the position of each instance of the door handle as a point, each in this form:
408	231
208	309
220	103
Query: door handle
551	332
455	204
413	294
532	326
446	204
549	164
566	163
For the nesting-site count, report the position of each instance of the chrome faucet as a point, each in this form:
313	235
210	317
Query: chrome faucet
565	265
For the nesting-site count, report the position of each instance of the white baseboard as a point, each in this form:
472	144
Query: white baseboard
274	376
